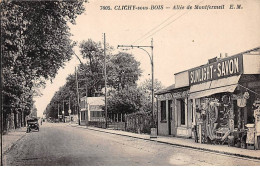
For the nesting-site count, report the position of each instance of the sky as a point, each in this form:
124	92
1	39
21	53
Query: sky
182	39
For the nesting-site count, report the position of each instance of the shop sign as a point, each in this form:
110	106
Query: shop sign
166	96
257	121
226	67
169	96
241	102
250	137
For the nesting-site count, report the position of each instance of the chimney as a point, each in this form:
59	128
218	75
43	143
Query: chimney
226	55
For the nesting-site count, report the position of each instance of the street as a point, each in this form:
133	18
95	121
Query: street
58	144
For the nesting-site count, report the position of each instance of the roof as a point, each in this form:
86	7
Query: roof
165	90
96	100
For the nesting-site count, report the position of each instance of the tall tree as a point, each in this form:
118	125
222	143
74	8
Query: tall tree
126	100
146	90
93	69
123	71
36	43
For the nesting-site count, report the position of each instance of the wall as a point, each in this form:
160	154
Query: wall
176	128
251	64
182	79
162	126
184	130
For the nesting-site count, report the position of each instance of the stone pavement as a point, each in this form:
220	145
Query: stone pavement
12	137
182	142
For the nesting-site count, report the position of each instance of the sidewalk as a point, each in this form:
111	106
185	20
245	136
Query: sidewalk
12	137
182	142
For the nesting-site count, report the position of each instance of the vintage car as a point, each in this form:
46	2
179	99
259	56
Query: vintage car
32	124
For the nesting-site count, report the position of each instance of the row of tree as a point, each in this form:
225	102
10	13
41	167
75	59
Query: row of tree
123	72
34	35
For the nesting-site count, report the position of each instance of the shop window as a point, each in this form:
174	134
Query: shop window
182	110
170	109
192	116
163	110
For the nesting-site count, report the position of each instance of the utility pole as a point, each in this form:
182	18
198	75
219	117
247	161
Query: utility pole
105	73
86	115
69	110
152	63
152	67
77	84
63	112
58	112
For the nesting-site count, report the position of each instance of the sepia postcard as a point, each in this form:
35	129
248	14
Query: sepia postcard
130	83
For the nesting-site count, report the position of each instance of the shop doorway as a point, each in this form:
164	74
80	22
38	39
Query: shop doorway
182	111
170	117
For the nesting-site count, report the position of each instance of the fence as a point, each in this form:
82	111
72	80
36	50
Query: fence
138	123
99	124
117	125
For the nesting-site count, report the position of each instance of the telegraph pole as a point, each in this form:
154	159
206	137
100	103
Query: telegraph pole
77	84
105	73
63	112
152	67
69	111
86	115
58	112
152	63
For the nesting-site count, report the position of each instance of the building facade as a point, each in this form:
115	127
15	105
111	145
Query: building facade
91	110
218	102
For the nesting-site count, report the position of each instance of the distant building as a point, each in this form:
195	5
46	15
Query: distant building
33	112
91	109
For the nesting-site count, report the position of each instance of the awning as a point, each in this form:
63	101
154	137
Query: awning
212	87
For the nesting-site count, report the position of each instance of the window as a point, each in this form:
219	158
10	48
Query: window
170	109
163	110
182	106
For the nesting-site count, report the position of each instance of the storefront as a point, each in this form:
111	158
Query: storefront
216	103
225	96
174	108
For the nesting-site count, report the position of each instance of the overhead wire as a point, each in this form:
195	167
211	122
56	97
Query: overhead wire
169	23
159	25
144	37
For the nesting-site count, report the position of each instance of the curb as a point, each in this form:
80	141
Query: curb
179	145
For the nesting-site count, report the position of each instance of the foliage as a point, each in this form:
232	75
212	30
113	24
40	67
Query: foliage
146	89
127	101
93	53
64	98
139	122
36	43
123	71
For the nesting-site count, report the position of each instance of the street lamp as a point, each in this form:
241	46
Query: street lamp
152	66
